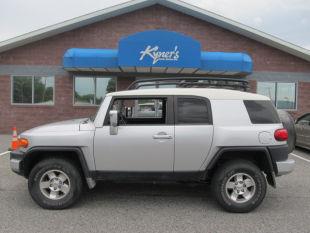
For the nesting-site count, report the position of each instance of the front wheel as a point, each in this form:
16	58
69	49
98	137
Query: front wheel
55	183
239	186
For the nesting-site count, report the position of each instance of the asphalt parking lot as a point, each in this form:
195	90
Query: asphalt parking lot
156	207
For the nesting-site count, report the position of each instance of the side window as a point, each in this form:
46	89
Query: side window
305	120
140	110
261	112
192	110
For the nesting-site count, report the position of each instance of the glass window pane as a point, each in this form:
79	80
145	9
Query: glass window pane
84	90
43	90
22	89
191	110
140	111
267	89
104	86
147	108
286	95
261	112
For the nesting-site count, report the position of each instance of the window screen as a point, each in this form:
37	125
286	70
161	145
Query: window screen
261	112
192	111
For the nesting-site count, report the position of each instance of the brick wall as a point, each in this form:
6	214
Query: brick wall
25	117
123	83
106	34
303	101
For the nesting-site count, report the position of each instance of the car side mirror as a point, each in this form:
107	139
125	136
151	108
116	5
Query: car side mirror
113	122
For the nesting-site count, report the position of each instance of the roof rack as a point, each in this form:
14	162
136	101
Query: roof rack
192	82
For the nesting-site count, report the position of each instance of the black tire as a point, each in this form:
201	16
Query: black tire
65	166
289	124
225	172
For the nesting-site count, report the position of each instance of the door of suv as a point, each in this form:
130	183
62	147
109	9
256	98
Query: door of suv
145	137
193	132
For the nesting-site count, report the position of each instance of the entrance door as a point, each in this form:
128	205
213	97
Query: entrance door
145	137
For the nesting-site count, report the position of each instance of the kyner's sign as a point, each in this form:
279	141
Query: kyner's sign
157	55
159	48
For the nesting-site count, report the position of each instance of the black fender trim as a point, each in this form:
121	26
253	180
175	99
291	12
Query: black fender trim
77	150
272	168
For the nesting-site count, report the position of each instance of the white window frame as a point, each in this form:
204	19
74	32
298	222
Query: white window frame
276	90
32	94
89	76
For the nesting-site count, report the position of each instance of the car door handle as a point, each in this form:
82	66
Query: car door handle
162	135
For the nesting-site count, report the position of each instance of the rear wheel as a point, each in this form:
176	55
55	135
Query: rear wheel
55	183
239	186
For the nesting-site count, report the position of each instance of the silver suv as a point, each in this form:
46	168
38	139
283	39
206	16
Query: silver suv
233	139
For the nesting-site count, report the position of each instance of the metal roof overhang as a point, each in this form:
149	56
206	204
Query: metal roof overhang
107	60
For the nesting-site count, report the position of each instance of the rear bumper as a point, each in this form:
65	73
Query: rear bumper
285	167
17	162
281	163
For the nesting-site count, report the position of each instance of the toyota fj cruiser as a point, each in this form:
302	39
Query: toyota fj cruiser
231	138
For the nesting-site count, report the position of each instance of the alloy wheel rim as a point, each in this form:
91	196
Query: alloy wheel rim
54	184
240	187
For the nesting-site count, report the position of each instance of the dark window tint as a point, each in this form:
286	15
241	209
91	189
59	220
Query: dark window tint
192	110
261	112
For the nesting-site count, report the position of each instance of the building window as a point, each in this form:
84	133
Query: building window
33	90
283	95
91	90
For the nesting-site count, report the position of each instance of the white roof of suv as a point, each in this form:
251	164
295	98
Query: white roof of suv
210	93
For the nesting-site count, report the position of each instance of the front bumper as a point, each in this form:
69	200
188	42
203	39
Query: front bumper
17	162
285	167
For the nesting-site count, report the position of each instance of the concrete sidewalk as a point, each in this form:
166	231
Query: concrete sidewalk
5	141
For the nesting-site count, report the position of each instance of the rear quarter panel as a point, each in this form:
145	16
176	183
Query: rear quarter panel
232	128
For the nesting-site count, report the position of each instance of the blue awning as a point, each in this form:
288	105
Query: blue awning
157	51
90	58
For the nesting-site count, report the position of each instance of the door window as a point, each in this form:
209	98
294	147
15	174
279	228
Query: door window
192	111
140	110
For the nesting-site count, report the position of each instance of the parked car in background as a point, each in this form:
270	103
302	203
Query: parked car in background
303	131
